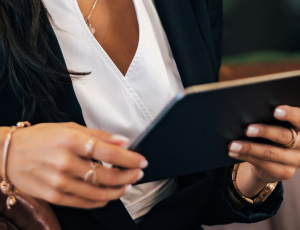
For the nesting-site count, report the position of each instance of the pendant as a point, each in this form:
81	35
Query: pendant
90	26
92	29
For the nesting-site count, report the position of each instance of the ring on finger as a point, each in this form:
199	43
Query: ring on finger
293	143
92	172
89	147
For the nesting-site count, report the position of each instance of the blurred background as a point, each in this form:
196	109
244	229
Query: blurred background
260	37
263	37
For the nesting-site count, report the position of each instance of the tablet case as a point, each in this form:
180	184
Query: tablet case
193	132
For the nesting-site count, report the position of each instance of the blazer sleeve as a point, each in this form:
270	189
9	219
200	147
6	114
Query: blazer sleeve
202	199
218	208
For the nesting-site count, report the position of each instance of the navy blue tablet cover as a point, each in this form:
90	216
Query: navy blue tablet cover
193	132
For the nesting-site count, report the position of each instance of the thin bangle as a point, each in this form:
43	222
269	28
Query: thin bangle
6	146
6	186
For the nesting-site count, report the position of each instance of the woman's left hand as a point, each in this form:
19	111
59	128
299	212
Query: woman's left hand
266	163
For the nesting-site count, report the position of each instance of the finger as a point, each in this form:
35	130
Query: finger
112	154
77	167
277	134
74	201
118	156
110	176
67	184
266	152
269	169
288	113
96	193
100	134
41	190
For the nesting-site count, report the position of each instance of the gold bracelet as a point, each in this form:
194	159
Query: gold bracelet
6	186
258	199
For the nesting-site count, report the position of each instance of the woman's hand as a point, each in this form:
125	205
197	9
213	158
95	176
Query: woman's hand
265	163
48	161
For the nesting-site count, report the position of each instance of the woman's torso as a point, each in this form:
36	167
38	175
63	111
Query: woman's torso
113	102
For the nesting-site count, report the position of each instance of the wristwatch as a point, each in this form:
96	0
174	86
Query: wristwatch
254	201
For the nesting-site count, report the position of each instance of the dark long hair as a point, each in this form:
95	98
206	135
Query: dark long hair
28	67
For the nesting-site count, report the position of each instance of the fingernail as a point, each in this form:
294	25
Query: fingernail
235	155
236	146
252	131
118	137
107	165
141	174
279	113
143	164
128	188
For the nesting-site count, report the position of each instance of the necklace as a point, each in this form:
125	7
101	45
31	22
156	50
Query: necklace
87	20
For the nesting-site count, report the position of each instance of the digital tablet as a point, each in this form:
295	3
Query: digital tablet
193	132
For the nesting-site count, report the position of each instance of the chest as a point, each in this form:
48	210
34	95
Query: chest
116	28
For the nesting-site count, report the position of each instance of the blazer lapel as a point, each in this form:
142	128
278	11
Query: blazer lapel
185	23
201	9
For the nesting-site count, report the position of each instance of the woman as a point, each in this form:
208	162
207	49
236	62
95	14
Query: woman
132	76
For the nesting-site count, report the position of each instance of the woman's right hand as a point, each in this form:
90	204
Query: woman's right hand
48	161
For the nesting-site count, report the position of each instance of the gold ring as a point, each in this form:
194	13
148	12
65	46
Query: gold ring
89	147
92	172
23	124
293	143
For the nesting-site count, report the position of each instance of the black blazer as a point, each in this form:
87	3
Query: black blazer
193	28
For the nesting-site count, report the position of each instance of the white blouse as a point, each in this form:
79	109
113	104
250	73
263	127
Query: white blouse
112	102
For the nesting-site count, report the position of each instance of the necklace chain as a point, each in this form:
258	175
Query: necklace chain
92	10
87	20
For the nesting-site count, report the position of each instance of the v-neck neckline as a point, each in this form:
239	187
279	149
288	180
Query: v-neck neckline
101	49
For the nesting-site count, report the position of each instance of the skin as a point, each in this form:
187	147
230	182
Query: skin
48	160
117	28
